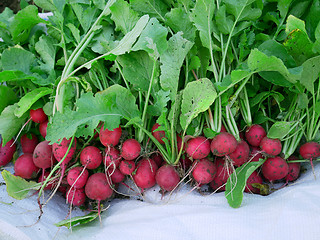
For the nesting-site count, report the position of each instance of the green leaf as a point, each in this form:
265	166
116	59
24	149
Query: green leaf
242	9
209	133
179	21
273	48
237	181
18	187
123	16
75	32
29	99
279	130
175	110
283	7
23	22
202	18
47	51
155	33
259	62
85	16
108	106
302	101
171	63
9	123
103	42
16	58
137	69
310	73
294	23
197	97
160	99
7	96
224	22
77	220
154	8
46	5
299	46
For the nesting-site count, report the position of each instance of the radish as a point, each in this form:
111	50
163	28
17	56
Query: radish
241	154
43	128
271	146
253	178
167	177
28	144
198	148
275	168
255	154
6	152
43	156
98	188
76	196
60	149
145	175
127	167
116	175
254	134
294	170
108	137
222	175
77	177
223	144
112	157
157	158
158	134
38	115
204	171
310	150
24	167
91	157
130	149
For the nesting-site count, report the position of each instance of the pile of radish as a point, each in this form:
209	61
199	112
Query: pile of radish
223	101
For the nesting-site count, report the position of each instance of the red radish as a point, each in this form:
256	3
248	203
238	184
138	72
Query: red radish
271	146
253	178
91	157
43	128
167	177
157	158
198	147
28	144
294	170
222	175
223	144
204	171
127	167
38	115
77	177
241	154
112	157
108	137
275	168
158	134
24	167
98	187
116	175
6	152
76	196
223	128
310	150
42	155
254	134
145	176
43	177
255	154
130	149
60	149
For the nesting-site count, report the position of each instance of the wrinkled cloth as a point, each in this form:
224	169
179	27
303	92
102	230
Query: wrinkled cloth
292	212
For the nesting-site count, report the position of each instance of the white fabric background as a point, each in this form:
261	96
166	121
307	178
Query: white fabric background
290	213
